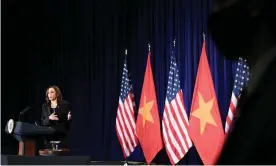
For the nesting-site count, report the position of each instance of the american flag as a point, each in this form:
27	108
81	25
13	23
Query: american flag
175	121
241	79
125	121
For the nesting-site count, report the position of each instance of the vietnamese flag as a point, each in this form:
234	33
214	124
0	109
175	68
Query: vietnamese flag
206	128
148	123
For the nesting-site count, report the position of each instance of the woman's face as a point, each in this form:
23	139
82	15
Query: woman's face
52	94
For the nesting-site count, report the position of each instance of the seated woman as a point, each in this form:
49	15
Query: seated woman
56	113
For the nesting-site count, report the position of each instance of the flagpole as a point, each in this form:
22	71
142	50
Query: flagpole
126	157
150	54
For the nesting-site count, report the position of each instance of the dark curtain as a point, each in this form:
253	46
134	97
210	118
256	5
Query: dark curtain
79	46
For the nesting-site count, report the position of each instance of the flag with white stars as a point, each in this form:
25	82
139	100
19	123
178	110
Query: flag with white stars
241	80
175	121
125	121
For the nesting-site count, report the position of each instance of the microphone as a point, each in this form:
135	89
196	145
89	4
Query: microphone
25	110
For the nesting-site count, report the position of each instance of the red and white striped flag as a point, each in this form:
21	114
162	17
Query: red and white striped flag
241	79
125	120
175	121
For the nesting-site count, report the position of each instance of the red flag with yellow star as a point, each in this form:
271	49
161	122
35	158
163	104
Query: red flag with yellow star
206	128
148	123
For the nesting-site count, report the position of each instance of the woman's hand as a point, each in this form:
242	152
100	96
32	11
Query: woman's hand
53	116
69	116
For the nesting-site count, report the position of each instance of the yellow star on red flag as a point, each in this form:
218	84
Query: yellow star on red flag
206	129
204	112
148	123
145	111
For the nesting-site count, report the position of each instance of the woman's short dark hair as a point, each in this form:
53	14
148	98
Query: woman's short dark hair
58	93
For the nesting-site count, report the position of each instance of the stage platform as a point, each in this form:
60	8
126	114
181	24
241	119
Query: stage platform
116	163
58	160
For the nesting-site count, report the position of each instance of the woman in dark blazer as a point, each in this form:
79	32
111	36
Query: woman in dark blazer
56	113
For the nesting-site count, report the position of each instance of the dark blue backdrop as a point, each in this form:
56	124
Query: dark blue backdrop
79	46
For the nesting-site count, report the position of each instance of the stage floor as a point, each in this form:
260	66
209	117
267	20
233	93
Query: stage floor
59	160
117	163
